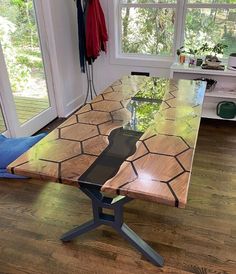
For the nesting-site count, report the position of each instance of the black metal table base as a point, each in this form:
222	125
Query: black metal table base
99	202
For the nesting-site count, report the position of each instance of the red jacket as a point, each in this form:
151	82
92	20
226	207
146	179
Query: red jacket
96	32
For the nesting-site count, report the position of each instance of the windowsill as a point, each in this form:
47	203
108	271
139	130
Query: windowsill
178	68
142	61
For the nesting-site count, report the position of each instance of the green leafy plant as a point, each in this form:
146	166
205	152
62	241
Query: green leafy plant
215	50
205	48
193	51
219	48
201	51
180	51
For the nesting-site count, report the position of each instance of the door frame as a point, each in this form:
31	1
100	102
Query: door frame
14	128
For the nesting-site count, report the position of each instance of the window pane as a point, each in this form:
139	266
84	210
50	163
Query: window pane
211	26
21	47
148	1
148	31
213	1
2	122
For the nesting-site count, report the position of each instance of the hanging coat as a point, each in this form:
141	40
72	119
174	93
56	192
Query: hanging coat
81	34
96	31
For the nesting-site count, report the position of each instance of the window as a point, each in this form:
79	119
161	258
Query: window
2	121
148	27
211	21
159	27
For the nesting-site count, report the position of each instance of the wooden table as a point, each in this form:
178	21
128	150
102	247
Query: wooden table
136	139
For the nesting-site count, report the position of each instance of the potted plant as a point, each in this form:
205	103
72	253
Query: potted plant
202	51
181	56
192	57
213	60
196	55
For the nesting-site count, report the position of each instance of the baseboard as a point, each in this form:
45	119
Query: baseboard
73	105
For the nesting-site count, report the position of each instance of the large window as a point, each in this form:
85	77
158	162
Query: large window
159	27
148	27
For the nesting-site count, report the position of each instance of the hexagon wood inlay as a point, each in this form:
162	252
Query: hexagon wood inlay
107	106
72	169
84	109
79	132
159	170
70	121
95	145
186	159
58	150
150	188
157	167
169	145
141	150
106	128
44	170
116	96
94	117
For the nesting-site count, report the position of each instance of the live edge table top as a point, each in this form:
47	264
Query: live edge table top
159	167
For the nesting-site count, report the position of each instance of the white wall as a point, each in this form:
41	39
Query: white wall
68	79
105	73
70	84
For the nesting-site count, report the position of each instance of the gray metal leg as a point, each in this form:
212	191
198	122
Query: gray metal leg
141	245
99	202
77	231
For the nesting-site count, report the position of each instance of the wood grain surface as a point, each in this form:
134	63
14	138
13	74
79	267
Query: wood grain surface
163	158
199	239
160	169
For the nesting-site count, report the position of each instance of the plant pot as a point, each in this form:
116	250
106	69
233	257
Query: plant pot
199	62
208	57
192	61
182	59
213	64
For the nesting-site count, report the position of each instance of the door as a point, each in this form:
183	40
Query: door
25	70
3	127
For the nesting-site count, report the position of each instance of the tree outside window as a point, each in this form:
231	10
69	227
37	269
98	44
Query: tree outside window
148	26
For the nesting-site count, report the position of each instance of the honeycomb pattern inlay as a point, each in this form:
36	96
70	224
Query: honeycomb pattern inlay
159	170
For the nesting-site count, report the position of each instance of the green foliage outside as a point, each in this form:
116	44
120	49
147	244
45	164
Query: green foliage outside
20	43
142	111
211	26
148	31
151	30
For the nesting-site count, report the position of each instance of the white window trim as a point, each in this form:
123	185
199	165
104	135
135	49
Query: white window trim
14	127
118	58
214	5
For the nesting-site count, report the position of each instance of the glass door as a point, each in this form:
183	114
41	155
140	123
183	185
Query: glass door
26	64
3	127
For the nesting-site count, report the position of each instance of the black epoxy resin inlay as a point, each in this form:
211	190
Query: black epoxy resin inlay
122	141
122	144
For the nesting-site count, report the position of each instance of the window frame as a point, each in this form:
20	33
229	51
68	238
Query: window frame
148	5
206	6
115	24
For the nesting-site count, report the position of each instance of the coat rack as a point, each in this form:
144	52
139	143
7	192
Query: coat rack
90	82
87	12
89	71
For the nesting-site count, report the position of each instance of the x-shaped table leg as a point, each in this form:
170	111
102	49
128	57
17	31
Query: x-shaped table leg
99	202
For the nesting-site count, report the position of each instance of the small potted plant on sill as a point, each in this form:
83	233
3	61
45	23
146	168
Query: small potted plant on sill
213	60
196	55
202	51
192	57
181	56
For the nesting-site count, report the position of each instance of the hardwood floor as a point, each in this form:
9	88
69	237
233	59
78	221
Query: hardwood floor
200	239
